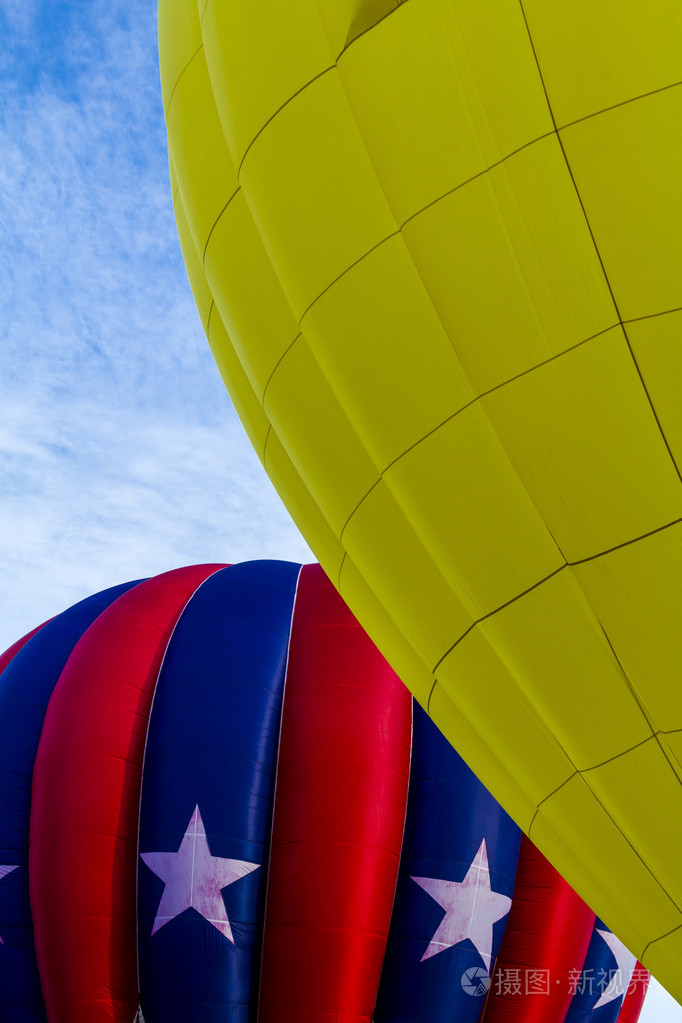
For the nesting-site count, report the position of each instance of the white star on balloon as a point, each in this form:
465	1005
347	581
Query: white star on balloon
4	871
625	963
471	908
194	879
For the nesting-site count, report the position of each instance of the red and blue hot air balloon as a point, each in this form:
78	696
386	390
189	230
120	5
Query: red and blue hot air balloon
218	804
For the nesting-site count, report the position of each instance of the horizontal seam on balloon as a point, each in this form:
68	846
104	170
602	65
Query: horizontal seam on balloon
478	174
177	80
569	564
615	106
598	253
618	829
370	28
626	543
351	266
215	223
286	103
660	938
674	767
469	404
490	614
497	387
274	368
617	756
651	316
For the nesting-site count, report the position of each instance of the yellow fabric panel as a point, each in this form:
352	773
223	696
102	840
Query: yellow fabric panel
346	20
248	293
303	508
638	787
201	161
353	330
551	632
259	57
592	850
384	547
247	405
627	165
635	594
665	955
594	55
510	266
299	382
657	346
671	742
330	190
529	753
386	632
490	547
606	474
438	111
429	515
179	40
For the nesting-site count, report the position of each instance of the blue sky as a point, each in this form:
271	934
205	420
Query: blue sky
120	454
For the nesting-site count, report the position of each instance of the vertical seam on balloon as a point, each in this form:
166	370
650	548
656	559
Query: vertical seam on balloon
177	80
274	368
626	677
208	320
203	15
360	502
343	561
142	766
596	247
215	223
274	791
265	443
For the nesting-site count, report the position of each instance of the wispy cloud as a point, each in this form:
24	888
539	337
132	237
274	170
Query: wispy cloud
120	454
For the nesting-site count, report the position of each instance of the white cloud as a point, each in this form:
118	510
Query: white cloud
120	454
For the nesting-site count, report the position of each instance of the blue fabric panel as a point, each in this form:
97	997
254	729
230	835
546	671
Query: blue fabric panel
212	745
26	685
449	814
600	966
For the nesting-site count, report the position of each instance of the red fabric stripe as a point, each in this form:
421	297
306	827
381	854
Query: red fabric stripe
339	817
12	651
634	999
546	938
85	804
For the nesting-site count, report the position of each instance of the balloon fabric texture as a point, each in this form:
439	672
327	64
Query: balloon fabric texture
218	804
436	249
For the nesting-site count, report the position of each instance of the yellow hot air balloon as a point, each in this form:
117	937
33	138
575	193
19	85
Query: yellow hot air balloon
437	249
